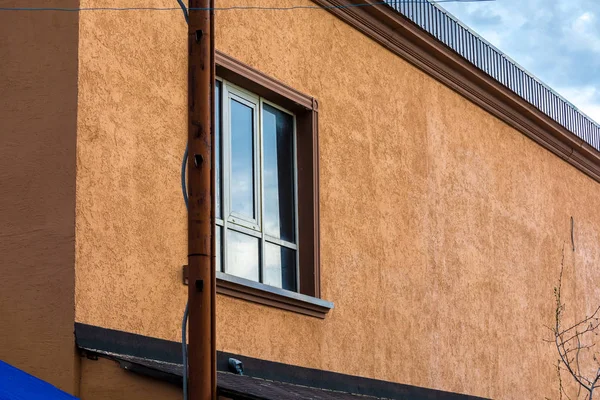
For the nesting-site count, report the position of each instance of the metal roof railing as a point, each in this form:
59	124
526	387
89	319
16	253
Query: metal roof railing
450	31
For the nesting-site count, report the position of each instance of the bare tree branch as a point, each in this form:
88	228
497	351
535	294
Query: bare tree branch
591	318
571	342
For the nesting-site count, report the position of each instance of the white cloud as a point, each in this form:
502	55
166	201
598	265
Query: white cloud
584	32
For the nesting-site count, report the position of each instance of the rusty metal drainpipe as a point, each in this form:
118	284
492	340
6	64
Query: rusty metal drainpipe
202	276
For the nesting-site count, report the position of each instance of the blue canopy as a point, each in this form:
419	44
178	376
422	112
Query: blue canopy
18	385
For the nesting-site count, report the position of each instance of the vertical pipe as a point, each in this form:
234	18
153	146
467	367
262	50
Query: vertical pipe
438	23
430	18
513	77
434	17
454	34
543	99
213	182
465	34
497	72
202	285
443	33
458	40
538	98
484	57
468	48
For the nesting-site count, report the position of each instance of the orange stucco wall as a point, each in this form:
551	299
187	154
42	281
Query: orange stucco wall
38	123
441	226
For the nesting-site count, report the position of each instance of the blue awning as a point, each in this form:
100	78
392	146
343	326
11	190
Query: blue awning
18	385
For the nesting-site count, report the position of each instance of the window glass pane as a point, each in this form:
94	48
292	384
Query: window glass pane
278	153
242	159
280	267
218	146
218	248
242	255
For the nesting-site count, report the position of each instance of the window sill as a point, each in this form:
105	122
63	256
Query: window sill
271	296
260	293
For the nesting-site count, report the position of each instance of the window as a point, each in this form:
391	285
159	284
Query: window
267	191
256	188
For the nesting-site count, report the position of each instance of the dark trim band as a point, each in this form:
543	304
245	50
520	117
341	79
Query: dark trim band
405	39
164	357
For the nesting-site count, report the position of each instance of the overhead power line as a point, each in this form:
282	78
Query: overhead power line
228	8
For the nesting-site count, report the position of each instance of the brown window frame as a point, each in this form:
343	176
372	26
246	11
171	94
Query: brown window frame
307	300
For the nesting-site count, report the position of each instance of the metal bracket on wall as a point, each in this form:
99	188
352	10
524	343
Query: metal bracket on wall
573	233
185	275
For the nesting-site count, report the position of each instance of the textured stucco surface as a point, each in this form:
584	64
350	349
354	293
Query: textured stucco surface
131	221
441	226
38	122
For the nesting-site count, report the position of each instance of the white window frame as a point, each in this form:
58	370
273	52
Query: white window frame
234	221
233	93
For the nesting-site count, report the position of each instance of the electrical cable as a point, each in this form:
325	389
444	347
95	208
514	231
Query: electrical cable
230	8
186	312
183	177
184	350
187	206
185	11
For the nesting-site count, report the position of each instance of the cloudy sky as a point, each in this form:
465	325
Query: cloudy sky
556	40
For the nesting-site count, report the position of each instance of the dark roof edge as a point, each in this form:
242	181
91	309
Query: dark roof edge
147	355
402	37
